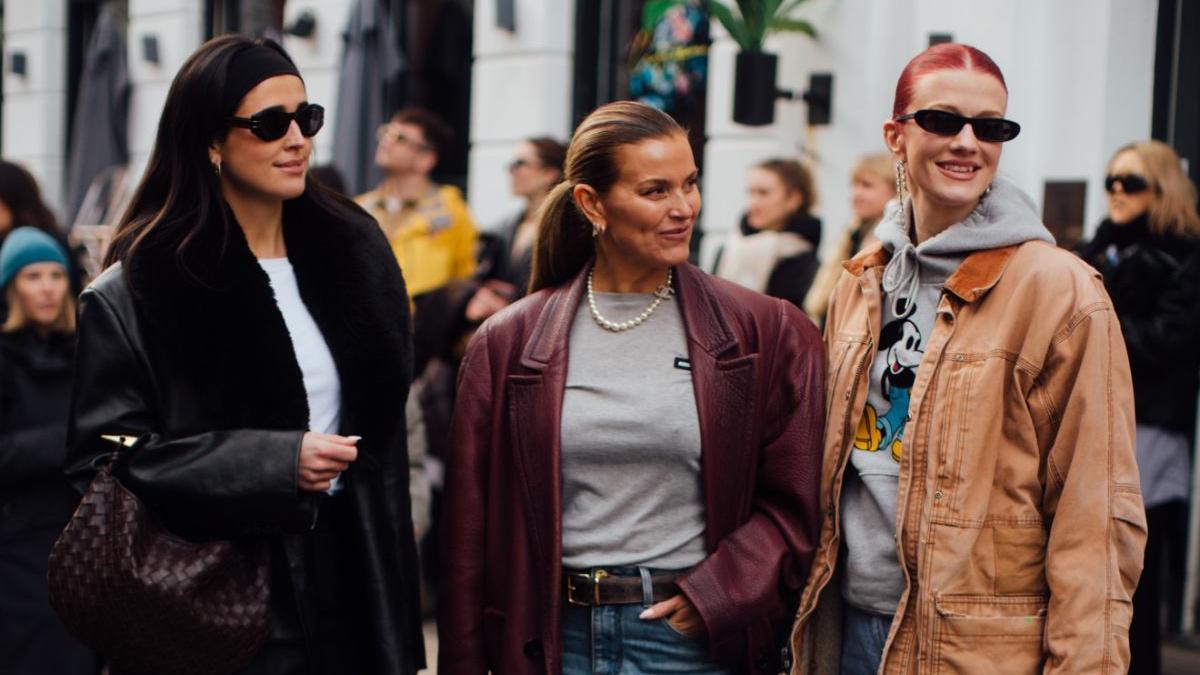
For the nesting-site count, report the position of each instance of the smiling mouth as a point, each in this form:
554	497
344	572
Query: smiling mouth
675	232
959	169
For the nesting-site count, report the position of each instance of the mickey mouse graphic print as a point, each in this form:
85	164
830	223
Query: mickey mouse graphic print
895	370
873	581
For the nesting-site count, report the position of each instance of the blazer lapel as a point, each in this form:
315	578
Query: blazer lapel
723	379
535	397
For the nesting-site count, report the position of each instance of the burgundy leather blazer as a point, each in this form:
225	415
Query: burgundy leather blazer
758	371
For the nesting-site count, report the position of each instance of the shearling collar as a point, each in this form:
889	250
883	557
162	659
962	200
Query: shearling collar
216	315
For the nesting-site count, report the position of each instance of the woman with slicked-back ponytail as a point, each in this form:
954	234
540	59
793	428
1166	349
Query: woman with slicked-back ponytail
632	485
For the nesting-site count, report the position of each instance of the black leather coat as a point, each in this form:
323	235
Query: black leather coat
1154	281
196	361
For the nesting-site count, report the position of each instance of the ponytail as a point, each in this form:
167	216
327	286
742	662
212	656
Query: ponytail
564	241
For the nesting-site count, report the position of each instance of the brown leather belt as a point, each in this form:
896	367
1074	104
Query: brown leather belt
589	589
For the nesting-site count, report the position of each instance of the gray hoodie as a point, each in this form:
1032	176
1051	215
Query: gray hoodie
912	288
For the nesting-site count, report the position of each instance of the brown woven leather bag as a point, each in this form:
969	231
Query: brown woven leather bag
152	602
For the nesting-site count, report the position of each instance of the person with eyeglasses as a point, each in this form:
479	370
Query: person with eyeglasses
980	487
1148	249
429	226
506	257
251	337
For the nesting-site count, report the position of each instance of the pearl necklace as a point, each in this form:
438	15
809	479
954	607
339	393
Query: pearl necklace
661	293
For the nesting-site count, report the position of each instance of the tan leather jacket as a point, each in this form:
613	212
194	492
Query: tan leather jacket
1020	523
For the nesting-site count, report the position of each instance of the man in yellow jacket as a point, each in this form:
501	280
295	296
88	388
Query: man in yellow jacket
428	225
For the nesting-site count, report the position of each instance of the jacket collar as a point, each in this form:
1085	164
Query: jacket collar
704	319
977	274
216	315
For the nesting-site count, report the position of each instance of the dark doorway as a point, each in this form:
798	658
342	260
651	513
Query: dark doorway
1176	117
436	39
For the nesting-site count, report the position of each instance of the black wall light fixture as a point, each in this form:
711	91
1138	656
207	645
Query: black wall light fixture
150	49
755	93
506	15
18	64
303	26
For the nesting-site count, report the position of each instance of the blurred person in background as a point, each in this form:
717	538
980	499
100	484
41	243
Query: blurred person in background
428	225
1148	249
37	343
873	185
773	249
506	257
21	205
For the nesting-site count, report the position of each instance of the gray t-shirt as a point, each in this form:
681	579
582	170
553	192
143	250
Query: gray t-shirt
630	441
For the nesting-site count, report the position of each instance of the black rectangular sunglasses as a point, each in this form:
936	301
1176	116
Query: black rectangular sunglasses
271	124
1131	183
943	123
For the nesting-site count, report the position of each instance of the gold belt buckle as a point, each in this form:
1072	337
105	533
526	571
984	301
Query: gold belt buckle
595	576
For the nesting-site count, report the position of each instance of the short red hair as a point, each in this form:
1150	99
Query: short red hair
946	56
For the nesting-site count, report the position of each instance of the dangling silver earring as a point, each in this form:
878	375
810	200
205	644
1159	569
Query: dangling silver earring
597	229
901	180
217	167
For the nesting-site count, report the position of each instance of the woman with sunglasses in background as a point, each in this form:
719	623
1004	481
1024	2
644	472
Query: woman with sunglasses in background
251	338
984	514
1148	250
506	258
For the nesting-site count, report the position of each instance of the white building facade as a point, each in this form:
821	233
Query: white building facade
1080	77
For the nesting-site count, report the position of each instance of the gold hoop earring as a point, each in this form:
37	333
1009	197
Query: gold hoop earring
901	180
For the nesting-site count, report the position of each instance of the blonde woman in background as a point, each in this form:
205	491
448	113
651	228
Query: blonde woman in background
1148	249
873	186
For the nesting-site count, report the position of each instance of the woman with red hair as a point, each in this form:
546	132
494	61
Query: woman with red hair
980	486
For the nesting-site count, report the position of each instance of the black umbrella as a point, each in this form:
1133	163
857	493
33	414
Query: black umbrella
100	139
371	61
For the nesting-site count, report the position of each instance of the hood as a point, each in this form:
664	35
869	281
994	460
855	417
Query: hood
1005	216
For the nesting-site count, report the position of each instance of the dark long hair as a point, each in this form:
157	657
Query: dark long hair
180	192
564	243
19	192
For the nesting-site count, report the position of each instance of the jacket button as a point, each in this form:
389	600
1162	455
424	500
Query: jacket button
533	649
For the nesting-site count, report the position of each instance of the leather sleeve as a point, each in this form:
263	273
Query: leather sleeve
762	564
220	482
1093	503
461	591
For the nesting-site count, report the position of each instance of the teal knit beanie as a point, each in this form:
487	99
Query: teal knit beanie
26	246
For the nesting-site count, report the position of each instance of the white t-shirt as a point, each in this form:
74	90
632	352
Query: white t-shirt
321	383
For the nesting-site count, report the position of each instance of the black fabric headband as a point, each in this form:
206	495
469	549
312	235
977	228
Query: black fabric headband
249	67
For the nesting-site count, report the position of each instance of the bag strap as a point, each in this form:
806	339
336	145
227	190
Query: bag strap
121	443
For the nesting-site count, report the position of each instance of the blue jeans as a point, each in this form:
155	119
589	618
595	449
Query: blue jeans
863	637
612	640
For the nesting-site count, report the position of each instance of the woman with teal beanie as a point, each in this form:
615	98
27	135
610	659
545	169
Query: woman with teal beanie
36	352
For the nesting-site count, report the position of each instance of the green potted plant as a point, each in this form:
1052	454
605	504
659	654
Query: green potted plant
748	22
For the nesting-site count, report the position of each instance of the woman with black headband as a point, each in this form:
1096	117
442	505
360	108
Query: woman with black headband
249	344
